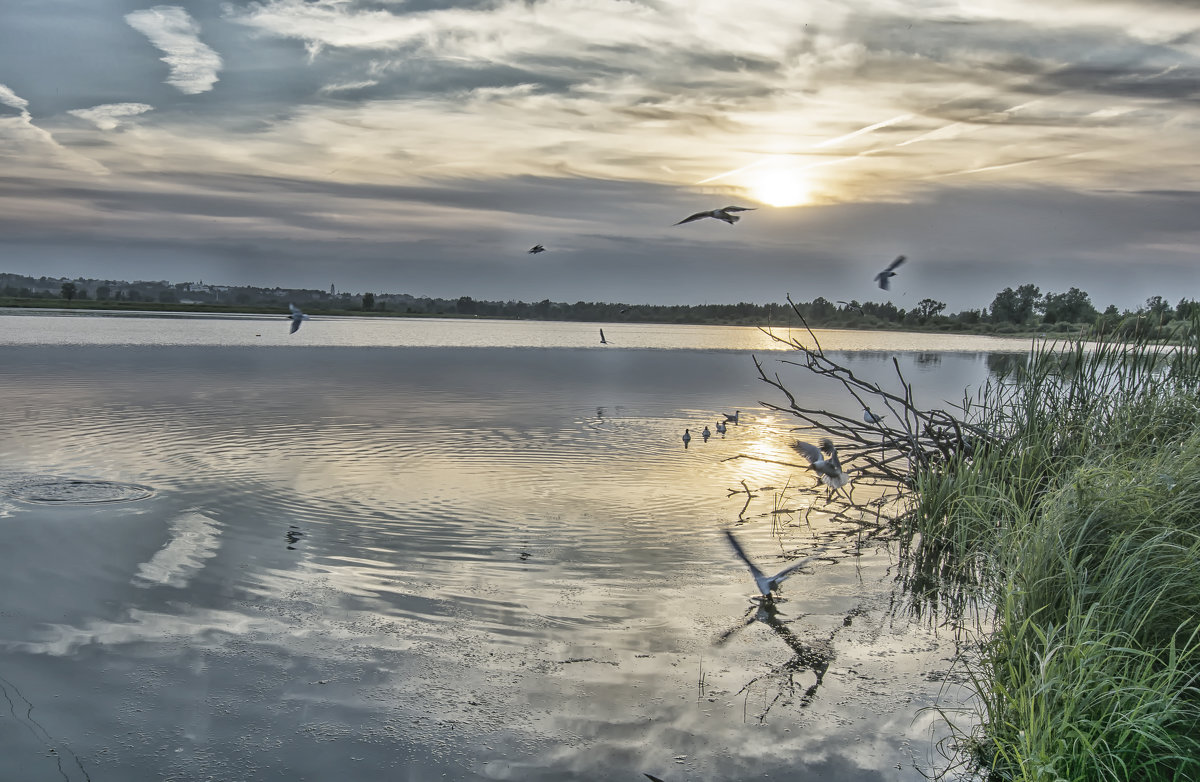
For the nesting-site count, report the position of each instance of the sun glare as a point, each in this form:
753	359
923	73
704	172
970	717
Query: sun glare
780	187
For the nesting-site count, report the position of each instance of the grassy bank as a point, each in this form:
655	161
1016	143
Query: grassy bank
1078	522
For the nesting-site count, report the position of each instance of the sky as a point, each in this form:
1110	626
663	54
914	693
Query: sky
423	146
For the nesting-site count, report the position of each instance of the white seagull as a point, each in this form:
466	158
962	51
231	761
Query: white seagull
766	584
719	214
297	316
733	418
721	428
870	417
885	276
824	461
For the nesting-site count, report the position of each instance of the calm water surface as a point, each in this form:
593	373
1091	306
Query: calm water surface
410	550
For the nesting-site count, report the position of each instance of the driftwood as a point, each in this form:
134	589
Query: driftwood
880	452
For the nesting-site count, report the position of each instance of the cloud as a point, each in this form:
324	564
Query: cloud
24	145
194	66
10	98
109	115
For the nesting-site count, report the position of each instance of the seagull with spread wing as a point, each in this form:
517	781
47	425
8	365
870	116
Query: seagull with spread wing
884	278
824	462
767	585
537	248
719	214
297	317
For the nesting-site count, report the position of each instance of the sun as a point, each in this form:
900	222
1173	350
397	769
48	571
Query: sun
780	187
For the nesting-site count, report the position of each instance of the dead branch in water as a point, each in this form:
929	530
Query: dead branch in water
883	451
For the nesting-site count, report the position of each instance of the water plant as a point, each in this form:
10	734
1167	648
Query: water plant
1065	499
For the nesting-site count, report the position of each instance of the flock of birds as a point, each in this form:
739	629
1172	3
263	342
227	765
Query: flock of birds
823	460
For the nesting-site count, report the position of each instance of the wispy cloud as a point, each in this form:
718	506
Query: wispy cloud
10	98
25	145
108	116
193	64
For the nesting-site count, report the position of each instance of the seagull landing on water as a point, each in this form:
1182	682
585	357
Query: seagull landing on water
537	248
870	417
884	278
824	461
297	317
718	214
766	584
733	419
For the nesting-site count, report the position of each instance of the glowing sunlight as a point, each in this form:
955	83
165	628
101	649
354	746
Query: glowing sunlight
780	187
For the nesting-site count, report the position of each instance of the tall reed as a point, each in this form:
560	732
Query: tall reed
1078	522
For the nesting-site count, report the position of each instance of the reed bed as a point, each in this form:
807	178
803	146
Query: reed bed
1065	499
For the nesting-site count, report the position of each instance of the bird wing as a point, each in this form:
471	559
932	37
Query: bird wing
295	325
808	451
697	216
831	452
882	279
739	209
737	549
792	568
293	308
899	260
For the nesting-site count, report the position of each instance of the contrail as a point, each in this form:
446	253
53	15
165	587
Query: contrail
827	143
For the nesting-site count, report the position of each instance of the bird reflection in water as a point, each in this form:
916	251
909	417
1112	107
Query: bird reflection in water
293	536
812	656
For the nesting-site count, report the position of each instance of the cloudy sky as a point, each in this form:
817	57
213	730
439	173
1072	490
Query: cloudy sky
422	146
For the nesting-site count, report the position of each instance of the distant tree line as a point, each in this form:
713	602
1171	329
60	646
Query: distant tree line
1011	311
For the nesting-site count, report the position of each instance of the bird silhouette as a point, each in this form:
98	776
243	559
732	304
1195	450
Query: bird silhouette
767	585
721	428
706	434
603	341
687	438
537	248
884	278
719	214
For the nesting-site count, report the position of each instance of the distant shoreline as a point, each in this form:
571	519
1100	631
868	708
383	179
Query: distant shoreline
153	307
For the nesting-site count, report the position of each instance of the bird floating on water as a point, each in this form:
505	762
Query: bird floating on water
719	214
706	434
297	316
721	428
687	438
537	248
872	418
824	461
766	584
733	418
884	277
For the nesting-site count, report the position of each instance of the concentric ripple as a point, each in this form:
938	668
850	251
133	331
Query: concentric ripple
53	489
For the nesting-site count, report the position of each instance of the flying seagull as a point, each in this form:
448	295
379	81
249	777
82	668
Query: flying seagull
719	214
885	276
537	248
766	584
297	316
851	306
824	461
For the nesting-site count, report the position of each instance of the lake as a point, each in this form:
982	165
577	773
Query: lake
385	549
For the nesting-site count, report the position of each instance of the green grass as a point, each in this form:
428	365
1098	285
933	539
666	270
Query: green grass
1078	524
